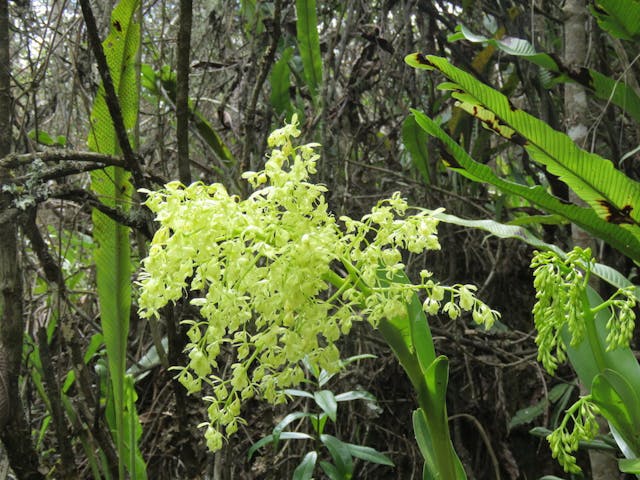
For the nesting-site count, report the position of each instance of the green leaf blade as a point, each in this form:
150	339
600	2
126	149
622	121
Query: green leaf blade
309	43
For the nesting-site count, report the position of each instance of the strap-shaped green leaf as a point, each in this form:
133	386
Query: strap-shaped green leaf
280	83
113	188
415	141
309	43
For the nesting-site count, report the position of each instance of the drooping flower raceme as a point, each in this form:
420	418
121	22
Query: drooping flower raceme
277	279
561	291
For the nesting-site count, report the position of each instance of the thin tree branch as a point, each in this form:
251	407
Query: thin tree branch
61	428
136	219
14	160
51	268
59	171
182	91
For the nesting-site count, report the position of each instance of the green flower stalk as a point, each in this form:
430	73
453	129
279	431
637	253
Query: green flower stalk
278	279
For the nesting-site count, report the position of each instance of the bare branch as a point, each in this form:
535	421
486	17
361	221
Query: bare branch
14	160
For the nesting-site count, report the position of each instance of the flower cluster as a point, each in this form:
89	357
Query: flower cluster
277	279
563	442
561	292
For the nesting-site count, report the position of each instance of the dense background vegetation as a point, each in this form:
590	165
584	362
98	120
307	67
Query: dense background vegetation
211	89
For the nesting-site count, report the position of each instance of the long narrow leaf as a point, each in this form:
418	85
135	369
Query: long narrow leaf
309	43
113	188
369	454
415	141
280	84
606	273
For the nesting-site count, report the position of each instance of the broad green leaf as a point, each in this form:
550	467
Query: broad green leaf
620	18
369	454
590	357
429	450
280	83
309	43
304	471
340	454
446	460
415	139
629	465
592	361
603	87
45	139
620	405
585	218
326	400
425	444
610	193
331	471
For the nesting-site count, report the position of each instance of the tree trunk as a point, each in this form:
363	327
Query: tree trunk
603	465
15	432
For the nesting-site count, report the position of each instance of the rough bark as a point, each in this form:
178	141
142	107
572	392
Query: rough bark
15	432
182	91
575	97
603	465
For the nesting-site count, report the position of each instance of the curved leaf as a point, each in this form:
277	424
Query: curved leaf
304	471
621	18
612	194
326	400
620	405
112	252
415	141
340	454
603	87
271	439
280	83
355	395
369	454
309	43
585	218
605	272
